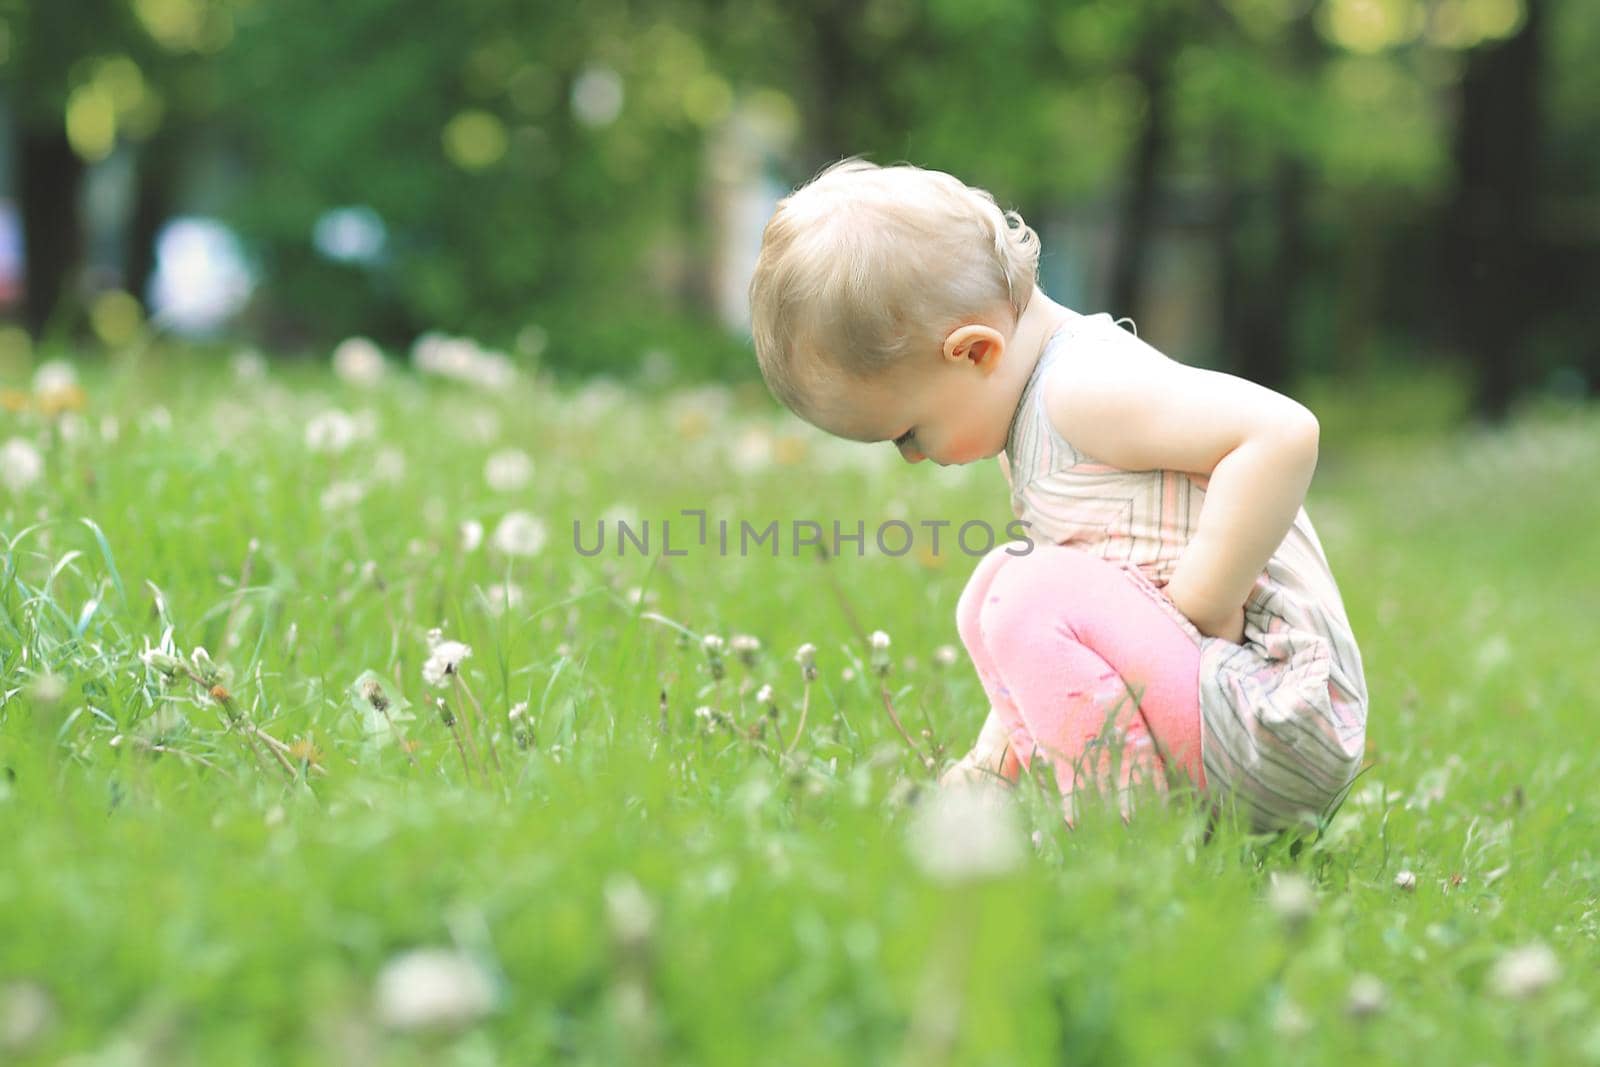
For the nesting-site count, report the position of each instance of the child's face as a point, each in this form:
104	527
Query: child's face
951	407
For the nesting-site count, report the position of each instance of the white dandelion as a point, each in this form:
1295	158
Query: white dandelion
1525	972
54	376
519	534
332	431
427	988
965	834
508	470
359	362
21	465
444	660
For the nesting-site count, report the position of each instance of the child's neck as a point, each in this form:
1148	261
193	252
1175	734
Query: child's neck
1039	322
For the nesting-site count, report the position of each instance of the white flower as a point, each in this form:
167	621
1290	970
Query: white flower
332	431
1525	972
966	833
508	470
444	659
55	376
629	912
462	360
342	496
248	366
1367	997
389	465
501	596
1292	898
20	464
471	532
357	361
713	644
765	697
946	655
519	534
433	988
879	641
1405	880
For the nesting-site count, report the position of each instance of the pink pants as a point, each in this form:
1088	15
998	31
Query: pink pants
1085	667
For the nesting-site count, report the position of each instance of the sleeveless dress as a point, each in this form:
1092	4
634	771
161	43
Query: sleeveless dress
1283	716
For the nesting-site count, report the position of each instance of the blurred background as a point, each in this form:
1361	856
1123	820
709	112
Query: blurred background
1346	189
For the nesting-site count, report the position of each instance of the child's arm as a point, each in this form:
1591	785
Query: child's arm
1131	406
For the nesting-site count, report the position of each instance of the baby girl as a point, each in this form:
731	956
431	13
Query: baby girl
1176	615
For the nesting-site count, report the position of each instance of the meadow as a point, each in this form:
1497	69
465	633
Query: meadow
253	812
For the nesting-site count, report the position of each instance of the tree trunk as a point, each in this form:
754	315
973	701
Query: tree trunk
1491	218
156	178
1136	220
49	175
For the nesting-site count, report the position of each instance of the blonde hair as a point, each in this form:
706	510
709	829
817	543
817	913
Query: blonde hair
866	265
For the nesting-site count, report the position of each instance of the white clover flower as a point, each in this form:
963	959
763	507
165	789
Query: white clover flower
806	656
471	532
333	431
55	376
967	833
21	465
765	696
879	641
428	988
359	362
519	534
1405	880
1525	972
444	660
946	656
508	470
713	644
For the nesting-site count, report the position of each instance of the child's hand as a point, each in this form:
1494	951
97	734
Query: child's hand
1229	626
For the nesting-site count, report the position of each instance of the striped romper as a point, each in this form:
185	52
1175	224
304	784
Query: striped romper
1283	716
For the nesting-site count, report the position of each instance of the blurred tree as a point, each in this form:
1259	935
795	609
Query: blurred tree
1494	275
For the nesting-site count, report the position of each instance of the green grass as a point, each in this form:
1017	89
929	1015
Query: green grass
206	906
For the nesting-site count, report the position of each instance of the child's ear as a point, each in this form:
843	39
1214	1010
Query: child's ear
977	344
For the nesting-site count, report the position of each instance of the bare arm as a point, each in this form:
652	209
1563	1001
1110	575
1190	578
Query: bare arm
1131	406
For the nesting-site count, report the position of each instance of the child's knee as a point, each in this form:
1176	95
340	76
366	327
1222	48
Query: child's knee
1034	591
969	609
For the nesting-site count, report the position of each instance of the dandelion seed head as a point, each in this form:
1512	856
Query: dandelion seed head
508	470
1525	972
879	641
966	833
519	534
444	660
21	465
433	988
358	361
1291	898
1366	997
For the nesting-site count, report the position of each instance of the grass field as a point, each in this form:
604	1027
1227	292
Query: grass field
232	857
